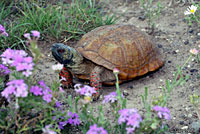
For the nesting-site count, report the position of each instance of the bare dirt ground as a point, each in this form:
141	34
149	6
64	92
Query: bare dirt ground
174	38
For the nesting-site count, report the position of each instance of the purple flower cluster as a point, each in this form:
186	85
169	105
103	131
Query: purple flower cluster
84	90
96	130
72	119
34	34
4	70
16	87
3	31
42	90
18	59
162	112
112	97
131	117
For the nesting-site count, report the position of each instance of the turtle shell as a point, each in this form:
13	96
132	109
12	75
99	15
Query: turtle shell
123	47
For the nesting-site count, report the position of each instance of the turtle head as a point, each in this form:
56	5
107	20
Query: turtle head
66	55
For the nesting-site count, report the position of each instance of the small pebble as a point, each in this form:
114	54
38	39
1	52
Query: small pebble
130	86
174	52
186	42
177	51
187	108
185	127
160	46
125	93
181	122
190	115
193	70
169	61
191	31
172	24
142	18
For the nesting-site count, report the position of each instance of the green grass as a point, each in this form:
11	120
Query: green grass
85	15
61	22
5	11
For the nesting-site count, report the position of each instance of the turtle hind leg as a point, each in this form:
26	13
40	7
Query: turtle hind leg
66	78
95	81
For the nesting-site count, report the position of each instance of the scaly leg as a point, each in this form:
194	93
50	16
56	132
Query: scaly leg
66	78
95	81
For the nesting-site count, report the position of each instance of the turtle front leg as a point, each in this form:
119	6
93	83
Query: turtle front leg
95	81
66	78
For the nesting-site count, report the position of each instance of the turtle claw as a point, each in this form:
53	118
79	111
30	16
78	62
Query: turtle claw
68	85
65	78
97	95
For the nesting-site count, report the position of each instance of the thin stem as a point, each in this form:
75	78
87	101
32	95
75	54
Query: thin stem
186	62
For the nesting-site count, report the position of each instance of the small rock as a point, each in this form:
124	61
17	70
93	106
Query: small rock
174	52
181	122
184	128
193	70
172	24
190	115
186	42
177	51
130	86
198	34
160	46
191	31
142	18
125	93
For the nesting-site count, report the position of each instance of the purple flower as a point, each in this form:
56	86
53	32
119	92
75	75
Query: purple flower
4	70
18	59
61	90
46	91
35	33
131	117
162	112
27	35
96	130
3	31
47	96
58	105
36	90
84	90
74	119
7	56
17	87
61	124
129	130
42	90
112	97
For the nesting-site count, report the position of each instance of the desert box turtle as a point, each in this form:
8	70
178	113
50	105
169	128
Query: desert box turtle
101	50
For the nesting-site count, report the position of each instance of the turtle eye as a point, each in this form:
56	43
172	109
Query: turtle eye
61	50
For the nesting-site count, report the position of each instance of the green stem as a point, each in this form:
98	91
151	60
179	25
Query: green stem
186	62
118	90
